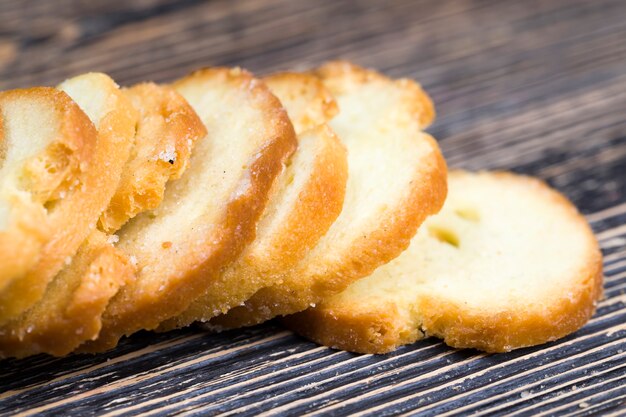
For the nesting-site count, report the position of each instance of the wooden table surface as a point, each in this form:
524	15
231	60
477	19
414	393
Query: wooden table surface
538	87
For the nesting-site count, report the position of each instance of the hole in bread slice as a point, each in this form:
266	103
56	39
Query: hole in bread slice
444	234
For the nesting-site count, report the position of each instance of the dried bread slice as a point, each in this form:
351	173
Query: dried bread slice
210	213
71	309
39	157
167	129
74	207
396	177
507	263
304	201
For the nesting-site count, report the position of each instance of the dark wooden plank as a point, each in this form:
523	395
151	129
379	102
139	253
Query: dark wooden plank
536	86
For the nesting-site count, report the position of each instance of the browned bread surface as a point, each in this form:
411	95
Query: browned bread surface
307	101
166	131
304	201
210	213
396	177
507	263
91	177
70	311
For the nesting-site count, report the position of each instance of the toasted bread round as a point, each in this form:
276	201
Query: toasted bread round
396	177
90	179
304	201
507	263
210	213
166	131
39	157
70	311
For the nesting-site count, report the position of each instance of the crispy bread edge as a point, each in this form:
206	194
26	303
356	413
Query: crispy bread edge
77	132
383	329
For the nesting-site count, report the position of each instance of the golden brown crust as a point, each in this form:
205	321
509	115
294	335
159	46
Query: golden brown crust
70	312
318	204
204	255
313	103
40	180
376	331
166	131
57	178
75	213
22	239
382	328
424	196
340	76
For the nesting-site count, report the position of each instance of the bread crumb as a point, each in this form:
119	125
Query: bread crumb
133	260
524	394
113	239
168	155
583	405
68	260
166	245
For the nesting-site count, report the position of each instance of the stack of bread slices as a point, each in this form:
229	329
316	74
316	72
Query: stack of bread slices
230	200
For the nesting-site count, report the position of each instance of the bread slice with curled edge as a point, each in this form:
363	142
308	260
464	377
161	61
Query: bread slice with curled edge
507	263
396	177
167	129
208	215
304	201
71	309
39	157
73	201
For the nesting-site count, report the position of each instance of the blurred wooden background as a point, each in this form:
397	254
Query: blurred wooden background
538	87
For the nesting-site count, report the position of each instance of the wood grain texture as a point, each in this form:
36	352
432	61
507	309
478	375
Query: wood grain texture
534	86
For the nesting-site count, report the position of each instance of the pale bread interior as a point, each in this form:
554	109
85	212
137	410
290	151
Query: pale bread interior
495	246
23	137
